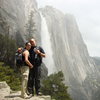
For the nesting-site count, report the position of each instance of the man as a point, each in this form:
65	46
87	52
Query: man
25	70
36	54
18	57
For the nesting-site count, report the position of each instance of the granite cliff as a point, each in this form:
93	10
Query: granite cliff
69	53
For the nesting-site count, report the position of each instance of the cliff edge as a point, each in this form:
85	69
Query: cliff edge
7	94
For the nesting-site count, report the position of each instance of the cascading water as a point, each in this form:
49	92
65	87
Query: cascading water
46	44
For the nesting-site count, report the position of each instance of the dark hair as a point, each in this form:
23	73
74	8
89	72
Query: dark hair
26	43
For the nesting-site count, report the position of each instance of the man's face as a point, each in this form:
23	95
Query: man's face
33	42
19	50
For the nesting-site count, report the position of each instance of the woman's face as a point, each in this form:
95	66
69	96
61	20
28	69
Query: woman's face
28	46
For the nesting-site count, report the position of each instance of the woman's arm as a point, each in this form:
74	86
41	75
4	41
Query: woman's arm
26	54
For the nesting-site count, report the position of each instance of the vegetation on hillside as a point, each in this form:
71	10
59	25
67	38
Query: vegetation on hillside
12	78
53	85
7	57
7	50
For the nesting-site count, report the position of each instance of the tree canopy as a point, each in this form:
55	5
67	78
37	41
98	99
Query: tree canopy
7	50
53	85
12	78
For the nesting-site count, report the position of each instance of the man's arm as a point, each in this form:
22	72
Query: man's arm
40	53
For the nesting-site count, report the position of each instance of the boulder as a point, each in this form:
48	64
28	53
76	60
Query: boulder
4	90
6	94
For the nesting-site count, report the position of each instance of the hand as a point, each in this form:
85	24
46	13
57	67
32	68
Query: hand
31	67
37	51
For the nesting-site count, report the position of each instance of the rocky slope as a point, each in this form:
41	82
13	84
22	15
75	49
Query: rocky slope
7	94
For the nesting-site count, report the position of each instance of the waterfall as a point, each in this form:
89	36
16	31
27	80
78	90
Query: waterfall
46	44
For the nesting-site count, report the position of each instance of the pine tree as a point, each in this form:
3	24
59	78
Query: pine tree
30	26
7	43
53	85
7	51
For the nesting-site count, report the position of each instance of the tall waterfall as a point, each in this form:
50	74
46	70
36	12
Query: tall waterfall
46	44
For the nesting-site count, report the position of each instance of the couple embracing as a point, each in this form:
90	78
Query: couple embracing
31	69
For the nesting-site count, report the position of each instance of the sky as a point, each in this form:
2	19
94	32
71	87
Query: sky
87	15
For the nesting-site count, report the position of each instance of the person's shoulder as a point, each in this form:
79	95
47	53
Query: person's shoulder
40	47
25	51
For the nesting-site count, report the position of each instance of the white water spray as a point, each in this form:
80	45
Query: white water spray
46	44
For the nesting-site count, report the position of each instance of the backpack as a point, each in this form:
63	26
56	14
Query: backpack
19	58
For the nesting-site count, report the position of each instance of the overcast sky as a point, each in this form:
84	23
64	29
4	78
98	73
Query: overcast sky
87	14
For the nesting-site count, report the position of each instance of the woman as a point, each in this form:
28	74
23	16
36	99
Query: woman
25	70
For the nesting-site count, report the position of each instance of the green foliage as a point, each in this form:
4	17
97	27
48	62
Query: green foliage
7	50
7	55
7	74
53	85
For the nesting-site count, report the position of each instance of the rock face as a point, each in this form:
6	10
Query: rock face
16	15
32	17
70	53
4	90
97	62
13	12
